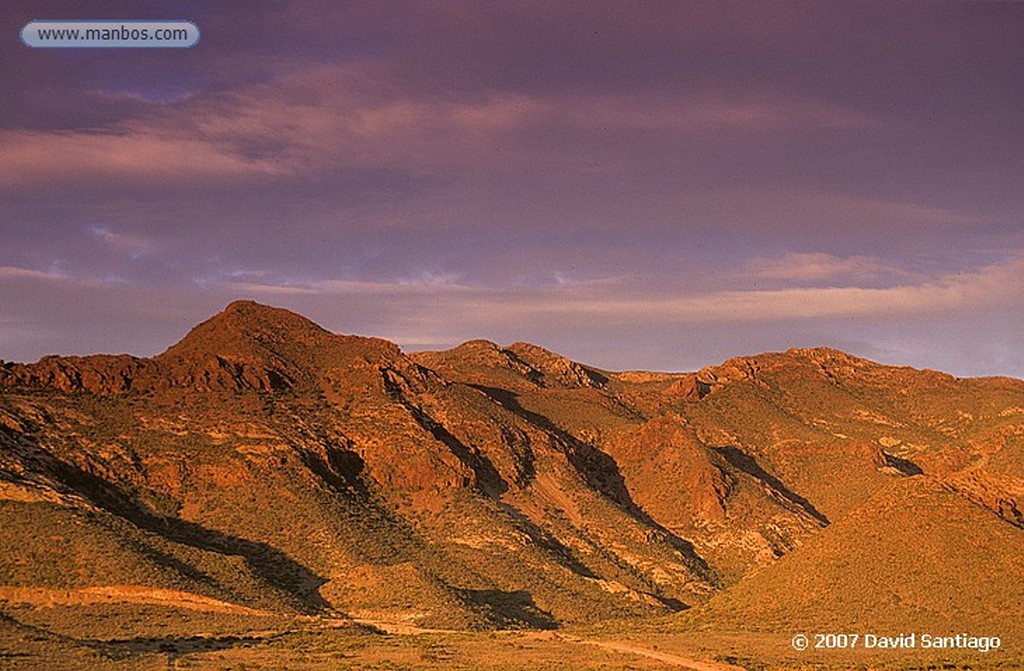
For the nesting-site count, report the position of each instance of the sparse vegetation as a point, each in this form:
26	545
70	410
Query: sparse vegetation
265	486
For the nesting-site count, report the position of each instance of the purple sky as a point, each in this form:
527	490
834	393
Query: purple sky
635	185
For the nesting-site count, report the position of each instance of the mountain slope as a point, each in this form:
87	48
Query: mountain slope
352	476
266	462
915	558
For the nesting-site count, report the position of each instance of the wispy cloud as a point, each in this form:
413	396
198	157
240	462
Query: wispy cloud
346	115
994	285
16	273
822	267
133	246
426	284
129	154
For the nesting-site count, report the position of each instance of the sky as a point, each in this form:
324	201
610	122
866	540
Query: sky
635	185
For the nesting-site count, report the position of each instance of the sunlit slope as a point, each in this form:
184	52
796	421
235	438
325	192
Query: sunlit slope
915	557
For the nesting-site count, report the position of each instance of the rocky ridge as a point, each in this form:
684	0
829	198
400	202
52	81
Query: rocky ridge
266	462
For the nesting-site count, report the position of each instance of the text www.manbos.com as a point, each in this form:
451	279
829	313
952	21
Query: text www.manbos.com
100	34
122	33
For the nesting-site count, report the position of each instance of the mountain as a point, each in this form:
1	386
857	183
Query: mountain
263	465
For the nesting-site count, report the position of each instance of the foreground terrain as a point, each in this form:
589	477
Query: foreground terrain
266	494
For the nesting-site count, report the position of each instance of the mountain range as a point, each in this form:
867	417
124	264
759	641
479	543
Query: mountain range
265	466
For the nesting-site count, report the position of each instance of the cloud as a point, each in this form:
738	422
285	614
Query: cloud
614	301
131	154
16	273
991	286
348	116
131	245
427	284
819	267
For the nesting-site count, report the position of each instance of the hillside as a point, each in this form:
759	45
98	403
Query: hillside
263	467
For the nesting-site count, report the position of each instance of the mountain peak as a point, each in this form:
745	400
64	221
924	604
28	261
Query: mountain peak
258	346
250	330
250	309
247	314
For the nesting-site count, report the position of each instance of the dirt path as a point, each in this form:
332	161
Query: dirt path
399	628
634	649
42	597
83	596
405	629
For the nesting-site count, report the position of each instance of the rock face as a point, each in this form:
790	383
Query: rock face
266	462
